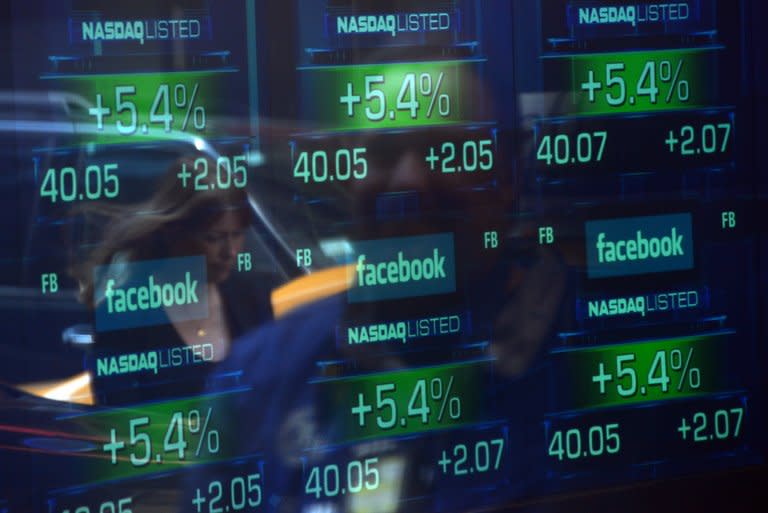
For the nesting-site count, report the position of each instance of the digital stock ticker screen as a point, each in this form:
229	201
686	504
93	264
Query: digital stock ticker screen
383	256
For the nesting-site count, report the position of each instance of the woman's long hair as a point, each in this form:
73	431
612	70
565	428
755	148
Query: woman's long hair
158	227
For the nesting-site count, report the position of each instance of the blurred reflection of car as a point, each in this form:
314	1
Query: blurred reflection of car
44	321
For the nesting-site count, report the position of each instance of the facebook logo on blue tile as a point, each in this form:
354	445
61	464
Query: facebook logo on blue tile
639	245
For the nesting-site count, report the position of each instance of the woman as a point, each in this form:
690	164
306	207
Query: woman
176	222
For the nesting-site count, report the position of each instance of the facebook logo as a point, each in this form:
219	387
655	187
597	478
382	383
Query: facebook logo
403	267
639	245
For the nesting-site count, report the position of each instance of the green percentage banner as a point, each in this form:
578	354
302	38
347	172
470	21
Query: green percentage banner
406	402
645	81
639	372
145	106
160	437
393	95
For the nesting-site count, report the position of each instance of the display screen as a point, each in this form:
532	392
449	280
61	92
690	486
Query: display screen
383	256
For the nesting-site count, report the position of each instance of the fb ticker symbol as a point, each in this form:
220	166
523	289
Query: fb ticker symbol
49	282
546	235
728	219
244	262
303	257
490	239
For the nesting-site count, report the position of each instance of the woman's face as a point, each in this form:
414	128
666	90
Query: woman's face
220	243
